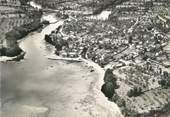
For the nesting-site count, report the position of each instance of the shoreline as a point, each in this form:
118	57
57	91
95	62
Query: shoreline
100	106
99	96
19	53
111	107
97	90
102	102
13	50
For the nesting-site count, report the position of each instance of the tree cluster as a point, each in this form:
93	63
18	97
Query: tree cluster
110	84
134	92
165	81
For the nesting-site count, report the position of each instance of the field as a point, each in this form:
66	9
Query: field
7	25
10	17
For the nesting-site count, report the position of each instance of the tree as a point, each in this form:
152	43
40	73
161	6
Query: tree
109	77
24	2
108	89
165	81
165	74
136	91
104	4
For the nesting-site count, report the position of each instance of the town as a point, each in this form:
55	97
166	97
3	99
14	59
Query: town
134	48
131	43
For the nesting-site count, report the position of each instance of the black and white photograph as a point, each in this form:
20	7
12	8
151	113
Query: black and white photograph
84	58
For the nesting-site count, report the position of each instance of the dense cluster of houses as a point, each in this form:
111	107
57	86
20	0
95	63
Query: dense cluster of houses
135	8
137	41
111	44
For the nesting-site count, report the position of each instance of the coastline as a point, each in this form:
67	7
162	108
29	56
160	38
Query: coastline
13	52
101	102
85	81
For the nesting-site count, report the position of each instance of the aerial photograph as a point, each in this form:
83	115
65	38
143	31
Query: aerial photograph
84	58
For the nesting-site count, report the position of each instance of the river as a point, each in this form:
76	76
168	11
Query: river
39	87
